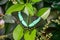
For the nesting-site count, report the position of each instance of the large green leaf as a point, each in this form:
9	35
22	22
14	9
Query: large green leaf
13	8
36	1
30	9
44	13
18	32
30	36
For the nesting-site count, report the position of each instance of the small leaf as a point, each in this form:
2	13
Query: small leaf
30	9
36	1
26	36
13	8
20	1
41	11
18	32
9	19
26	11
33	34
30	36
3	2
44	12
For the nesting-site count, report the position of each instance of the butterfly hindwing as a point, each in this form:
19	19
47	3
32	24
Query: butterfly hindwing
34	22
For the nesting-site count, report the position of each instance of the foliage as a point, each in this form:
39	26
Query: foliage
18	32
16	7
49	13
30	36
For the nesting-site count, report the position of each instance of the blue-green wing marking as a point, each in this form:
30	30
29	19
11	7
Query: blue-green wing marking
34	22
24	23
21	19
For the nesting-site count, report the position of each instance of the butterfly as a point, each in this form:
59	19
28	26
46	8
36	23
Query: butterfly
38	20
25	24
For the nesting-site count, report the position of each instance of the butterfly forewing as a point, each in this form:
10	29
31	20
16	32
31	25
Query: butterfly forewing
9	19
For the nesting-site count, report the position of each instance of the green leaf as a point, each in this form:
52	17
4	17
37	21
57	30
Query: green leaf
26	11
36	1
33	34
41	11
18	32
26	36
44	13
30	9
30	36
13	8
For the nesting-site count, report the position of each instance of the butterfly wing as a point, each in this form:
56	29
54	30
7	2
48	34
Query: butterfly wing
21	19
9	19
34	22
